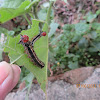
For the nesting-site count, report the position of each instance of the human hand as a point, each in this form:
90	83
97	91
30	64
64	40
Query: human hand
9	76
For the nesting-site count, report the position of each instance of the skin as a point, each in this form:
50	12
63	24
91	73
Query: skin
9	76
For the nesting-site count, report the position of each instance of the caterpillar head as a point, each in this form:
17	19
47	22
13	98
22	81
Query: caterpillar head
24	39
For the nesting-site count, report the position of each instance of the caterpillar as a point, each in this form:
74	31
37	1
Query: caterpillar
29	48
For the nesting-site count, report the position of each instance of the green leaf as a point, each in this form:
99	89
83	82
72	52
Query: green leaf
3	33
11	3
48	13
29	77
42	14
83	43
91	17
6	32
75	58
95	25
81	28
55	40
73	65
51	57
68	27
95	47
98	12
31	4
70	55
16	53
92	49
62	65
9	13
53	27
76	37
46	4
93	35
52	0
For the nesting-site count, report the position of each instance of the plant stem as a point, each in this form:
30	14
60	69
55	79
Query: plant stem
27	20
31	15
35	14
29	88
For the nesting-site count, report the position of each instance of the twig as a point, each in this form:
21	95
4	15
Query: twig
51	72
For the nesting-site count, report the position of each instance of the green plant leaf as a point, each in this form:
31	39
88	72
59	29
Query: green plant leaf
73	65
52	0
9	13
11	3
93	35
91	17
46	4
29	77
92	49
68	27
42	14
16	52
95	47
53	27
6	32
83	43
56	39
3	33
81	28
95	25
48	13
98	12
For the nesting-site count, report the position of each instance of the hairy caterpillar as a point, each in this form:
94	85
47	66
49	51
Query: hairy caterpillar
28	46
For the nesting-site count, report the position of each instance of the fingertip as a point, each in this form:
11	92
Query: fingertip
16	68
16	74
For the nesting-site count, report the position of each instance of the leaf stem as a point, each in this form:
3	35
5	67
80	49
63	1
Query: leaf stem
31	15
27	20
48	13
29	88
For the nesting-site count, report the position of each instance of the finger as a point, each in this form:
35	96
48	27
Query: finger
6	78
16	75
4	71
